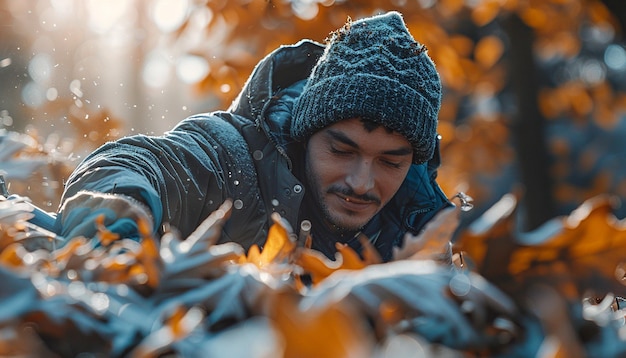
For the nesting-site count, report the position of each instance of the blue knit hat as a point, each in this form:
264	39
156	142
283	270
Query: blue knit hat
373	69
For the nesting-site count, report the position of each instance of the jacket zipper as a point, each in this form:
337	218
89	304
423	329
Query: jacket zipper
281	151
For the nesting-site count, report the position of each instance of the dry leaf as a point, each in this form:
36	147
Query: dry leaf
588	249
331	331
574	254
318	266
435	240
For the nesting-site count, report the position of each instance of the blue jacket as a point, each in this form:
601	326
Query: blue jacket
244	154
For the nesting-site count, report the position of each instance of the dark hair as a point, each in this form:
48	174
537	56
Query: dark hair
370	125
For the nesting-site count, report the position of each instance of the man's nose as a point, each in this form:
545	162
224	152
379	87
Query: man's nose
361	177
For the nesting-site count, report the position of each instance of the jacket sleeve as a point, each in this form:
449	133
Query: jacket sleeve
181	176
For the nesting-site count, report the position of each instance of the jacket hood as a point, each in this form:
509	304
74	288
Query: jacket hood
280	69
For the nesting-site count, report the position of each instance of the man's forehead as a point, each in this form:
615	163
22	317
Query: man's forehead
352	132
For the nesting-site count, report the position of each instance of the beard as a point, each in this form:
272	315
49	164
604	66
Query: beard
333	220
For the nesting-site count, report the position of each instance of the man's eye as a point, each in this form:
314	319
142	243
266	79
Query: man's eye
338	152
392	164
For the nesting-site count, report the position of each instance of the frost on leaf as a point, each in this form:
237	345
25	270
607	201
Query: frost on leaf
318	266
576	254
434	242
177	296
279	245
333	331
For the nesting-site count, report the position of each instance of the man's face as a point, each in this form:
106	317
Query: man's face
353	172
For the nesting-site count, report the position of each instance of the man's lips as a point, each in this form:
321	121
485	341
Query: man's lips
352	203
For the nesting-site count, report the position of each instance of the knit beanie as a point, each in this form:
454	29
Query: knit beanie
373	69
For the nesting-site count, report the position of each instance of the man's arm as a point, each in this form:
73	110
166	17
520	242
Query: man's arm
173	176
81	214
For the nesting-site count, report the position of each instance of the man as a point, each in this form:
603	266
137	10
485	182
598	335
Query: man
342	135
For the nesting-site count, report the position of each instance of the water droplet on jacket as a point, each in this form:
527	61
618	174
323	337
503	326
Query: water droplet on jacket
238	204
257	155
275	202
236	182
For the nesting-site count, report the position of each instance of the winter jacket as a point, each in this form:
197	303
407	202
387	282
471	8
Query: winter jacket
243	154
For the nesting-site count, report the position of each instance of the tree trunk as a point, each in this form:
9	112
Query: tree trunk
618	9
528	127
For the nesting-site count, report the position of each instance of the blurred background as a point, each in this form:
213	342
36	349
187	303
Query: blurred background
534	90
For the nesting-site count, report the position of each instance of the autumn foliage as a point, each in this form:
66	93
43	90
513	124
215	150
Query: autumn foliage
474	283
495	291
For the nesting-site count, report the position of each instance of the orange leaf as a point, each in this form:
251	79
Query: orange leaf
62	255
11	256
280	244
316	264
105	236
488	51
575	254
351	260
589	245
319	266
150	260
254	254
178	325
485	12
179	321
331	331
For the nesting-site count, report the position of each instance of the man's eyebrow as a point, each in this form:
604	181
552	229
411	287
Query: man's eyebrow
400	151
341	137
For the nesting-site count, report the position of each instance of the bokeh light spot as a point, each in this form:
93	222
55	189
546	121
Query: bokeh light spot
192	69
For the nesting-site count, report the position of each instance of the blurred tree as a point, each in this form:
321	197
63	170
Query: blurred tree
495	59
534	89
618	9
528	126
12	74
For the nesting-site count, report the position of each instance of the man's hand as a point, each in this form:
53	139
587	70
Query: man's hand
121	214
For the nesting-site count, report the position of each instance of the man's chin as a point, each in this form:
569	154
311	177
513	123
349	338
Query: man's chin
341	215
348	224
